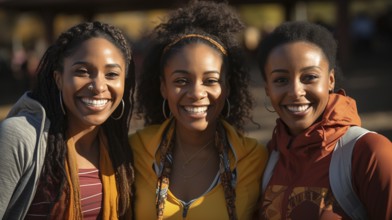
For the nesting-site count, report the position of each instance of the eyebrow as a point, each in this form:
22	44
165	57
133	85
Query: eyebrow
302	69
187	72
110	65
279	71
310	67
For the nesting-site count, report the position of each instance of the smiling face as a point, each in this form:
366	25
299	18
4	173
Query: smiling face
99	64
298	81
194	86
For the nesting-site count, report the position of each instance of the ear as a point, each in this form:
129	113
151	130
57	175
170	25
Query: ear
331	83
163	88
58	79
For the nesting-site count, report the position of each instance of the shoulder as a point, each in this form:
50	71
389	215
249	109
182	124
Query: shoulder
18	139
372	174
19	128
144	134
374	144
146	140
372	158
245	146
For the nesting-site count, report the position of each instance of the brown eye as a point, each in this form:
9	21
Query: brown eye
211	81
181	81
280	80
81	72
112	75
309	78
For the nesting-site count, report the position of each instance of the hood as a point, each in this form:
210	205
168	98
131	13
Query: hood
319	139
27	105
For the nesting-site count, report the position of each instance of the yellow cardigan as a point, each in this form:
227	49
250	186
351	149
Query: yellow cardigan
246	155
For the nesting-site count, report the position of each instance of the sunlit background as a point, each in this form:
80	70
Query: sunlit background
363	28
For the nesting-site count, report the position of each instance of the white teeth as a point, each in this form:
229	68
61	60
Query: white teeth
196	109
298	108
95	102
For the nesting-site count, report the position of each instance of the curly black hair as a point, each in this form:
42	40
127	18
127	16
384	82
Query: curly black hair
46	92
215	20
294	31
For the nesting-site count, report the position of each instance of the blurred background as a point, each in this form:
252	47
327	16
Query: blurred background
362	27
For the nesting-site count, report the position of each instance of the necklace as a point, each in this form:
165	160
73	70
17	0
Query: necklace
193	156
187	177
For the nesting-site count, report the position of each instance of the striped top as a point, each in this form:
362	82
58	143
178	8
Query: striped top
90	193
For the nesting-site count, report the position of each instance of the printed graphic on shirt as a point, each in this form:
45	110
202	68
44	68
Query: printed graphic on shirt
299	203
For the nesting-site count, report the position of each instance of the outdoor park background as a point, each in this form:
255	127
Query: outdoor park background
365	50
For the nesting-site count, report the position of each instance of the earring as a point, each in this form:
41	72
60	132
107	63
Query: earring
163	109
228	108
122	111
61	102
90	87
266	105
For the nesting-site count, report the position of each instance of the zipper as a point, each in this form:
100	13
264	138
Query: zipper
185	211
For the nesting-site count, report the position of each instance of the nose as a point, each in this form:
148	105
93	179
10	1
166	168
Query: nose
99	84
297	89
197	91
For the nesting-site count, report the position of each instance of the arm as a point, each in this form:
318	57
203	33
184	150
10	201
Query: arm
372	174
16	149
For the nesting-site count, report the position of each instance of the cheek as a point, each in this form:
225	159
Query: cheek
217	92
119	86
322	90
274	94
173	95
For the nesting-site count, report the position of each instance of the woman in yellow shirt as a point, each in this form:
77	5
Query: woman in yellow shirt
192	161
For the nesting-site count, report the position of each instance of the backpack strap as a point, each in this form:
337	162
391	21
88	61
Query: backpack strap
272	160
340	174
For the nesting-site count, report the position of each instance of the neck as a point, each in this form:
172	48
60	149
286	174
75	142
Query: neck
194	139
85	140
86	147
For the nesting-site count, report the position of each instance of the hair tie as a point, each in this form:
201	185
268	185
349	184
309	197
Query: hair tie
214	42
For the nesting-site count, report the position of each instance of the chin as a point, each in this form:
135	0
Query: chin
95	121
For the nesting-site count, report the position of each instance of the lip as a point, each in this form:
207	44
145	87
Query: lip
298	109
94	104
199	111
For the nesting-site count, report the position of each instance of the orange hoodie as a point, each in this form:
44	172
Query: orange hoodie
299	187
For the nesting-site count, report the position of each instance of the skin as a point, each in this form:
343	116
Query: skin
99	63
193	78
194	86
298	81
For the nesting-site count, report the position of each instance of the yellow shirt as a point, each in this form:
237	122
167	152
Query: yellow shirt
247	157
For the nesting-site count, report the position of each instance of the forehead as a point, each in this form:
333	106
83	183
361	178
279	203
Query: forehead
297	50
296	46
194	54
97	46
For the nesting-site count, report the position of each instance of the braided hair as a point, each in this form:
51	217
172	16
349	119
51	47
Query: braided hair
216	21
47	93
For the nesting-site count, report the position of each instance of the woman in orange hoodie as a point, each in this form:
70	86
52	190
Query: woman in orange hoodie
298	64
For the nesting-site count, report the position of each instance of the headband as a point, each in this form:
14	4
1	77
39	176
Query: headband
214	42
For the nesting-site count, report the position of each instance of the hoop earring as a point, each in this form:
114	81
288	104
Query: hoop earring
122	111
228	108
61	102
266	106
163	109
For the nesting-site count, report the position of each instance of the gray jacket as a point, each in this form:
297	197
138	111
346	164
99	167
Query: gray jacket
23	138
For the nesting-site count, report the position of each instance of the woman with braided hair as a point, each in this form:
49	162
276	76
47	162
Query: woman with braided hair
64	145
192	160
